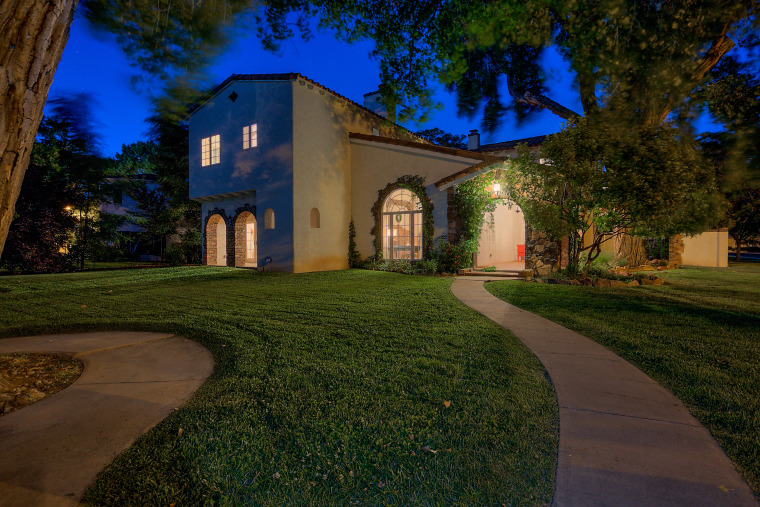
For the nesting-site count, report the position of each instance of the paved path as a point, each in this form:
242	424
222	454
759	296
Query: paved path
623	439
51	451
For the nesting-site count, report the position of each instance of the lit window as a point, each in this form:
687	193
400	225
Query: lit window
250	136
210	148
402	226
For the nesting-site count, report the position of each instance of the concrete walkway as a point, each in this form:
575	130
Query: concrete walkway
623	439
51	451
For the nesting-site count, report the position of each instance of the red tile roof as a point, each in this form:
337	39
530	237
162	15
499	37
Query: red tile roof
511	145
420	146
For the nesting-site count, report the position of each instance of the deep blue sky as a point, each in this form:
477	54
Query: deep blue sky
96	65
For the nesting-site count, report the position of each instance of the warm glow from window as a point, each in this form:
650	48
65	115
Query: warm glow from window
210	150
250	241
402	226
250	136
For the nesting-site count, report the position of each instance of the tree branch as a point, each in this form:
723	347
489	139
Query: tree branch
720	46
542	102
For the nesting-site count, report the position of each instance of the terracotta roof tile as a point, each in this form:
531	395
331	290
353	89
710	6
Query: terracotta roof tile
421	146
511	145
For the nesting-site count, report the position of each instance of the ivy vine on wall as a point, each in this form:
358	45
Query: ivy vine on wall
472	200
414	184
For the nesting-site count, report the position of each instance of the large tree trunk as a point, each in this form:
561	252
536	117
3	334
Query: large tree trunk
33	34
630	248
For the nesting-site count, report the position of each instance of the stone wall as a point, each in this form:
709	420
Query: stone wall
543	255
675	250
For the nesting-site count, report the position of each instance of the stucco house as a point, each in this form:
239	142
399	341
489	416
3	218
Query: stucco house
282	164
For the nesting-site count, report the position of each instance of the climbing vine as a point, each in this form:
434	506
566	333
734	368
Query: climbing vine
354	259
472	200
414	184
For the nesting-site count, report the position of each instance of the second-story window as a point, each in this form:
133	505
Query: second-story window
210	148
250	136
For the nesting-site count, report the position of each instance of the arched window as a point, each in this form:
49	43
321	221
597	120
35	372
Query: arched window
314	218
402	226
269	219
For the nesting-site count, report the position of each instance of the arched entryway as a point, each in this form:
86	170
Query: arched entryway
245	240
402	226
216	241
502	238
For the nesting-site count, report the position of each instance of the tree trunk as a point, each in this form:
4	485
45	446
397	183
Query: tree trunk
738	249
32	37
630	248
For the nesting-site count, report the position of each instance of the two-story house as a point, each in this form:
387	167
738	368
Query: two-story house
282	164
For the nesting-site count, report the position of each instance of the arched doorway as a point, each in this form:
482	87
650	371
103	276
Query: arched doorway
502	238
402	226
216	241
245	240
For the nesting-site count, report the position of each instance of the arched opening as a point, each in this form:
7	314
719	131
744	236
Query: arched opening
402	226
502	238
216	241
314	218
269	219
245	240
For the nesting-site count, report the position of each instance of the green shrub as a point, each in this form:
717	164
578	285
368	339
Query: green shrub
453	257
428	267
489	269
174	255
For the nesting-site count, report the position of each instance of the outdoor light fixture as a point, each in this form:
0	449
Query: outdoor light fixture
496	187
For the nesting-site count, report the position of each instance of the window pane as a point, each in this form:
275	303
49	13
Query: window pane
387	238
205	151
254	136
215	148
417	236
402	236
245	137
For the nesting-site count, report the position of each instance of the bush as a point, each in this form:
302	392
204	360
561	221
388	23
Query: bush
453	257
174	255
428	267
657	248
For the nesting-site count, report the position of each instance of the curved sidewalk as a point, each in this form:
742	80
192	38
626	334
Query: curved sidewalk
51	451
623	439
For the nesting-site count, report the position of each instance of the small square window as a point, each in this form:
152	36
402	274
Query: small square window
250	136
210	150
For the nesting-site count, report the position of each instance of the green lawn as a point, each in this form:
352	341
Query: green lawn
328	389
699	335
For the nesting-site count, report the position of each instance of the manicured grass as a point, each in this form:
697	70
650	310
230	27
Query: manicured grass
699	335
329	388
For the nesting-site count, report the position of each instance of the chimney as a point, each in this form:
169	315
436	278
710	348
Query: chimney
373	102
473	140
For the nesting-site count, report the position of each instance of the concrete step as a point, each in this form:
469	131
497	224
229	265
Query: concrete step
506	273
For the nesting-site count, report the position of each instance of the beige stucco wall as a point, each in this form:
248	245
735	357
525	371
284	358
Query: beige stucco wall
500	234
322	174
707	249
375	165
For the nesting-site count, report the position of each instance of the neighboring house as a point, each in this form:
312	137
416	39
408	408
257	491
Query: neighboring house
282	164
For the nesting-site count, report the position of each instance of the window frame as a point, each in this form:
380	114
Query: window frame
211	150
250	136
415	216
